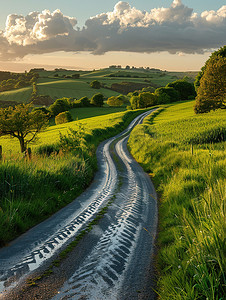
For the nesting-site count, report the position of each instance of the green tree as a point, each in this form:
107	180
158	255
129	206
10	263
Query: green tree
184	88
114	101
59	106
95	84
85	102
21	123
143	100
63	117
97	100
147	99
216	54
211	93
135	102
172	95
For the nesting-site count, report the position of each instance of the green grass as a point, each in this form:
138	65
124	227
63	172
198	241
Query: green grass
51	135
89	112
70	88
189	178
32	190
60	87
180	124
20	95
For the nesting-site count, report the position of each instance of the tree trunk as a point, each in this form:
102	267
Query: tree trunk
22	145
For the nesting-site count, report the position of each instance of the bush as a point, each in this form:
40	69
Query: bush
83	102
184	88
43	109
163	98
63	117
59	106
97	100
114	101
147	99
143	100
95	84
47	149
170	92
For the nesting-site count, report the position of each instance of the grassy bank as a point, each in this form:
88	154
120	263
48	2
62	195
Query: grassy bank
60	169
90	112
185	155
70	88
20	95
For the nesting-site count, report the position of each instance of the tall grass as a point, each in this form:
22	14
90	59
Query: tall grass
61	167
190	178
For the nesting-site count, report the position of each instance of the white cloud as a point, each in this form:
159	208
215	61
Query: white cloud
216	17
176	29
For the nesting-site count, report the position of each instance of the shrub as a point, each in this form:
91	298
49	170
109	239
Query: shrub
97	100
143	100
63	117
184	88
114	101
83	102
95	84
43	109
59	106
170	92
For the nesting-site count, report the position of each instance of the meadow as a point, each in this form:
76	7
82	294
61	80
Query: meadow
58	87
62	165
71	88
184	154
20	95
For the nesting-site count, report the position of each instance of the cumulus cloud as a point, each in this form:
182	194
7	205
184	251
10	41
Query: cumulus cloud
176	29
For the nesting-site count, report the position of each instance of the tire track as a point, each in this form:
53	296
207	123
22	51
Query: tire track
30	251
102	274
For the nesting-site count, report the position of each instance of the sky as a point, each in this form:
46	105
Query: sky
174	35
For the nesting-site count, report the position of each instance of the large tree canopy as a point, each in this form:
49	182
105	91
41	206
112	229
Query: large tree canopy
211	93
97	100
217	54
184	88
21	123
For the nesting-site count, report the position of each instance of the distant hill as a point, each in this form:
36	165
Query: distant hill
59	82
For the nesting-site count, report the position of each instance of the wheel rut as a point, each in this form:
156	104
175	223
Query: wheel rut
116	264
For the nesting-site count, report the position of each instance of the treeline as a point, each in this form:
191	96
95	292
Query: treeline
60	108
172	92
16	81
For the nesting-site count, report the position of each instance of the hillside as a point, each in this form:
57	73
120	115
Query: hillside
54	83
19	95
184	154
70	88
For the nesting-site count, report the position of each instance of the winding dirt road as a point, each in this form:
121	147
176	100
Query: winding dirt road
114	262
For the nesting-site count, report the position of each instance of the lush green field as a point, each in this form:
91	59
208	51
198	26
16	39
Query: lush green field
156	78
70	88
89	112
51	135
20	95
58	87
188	167
31	190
